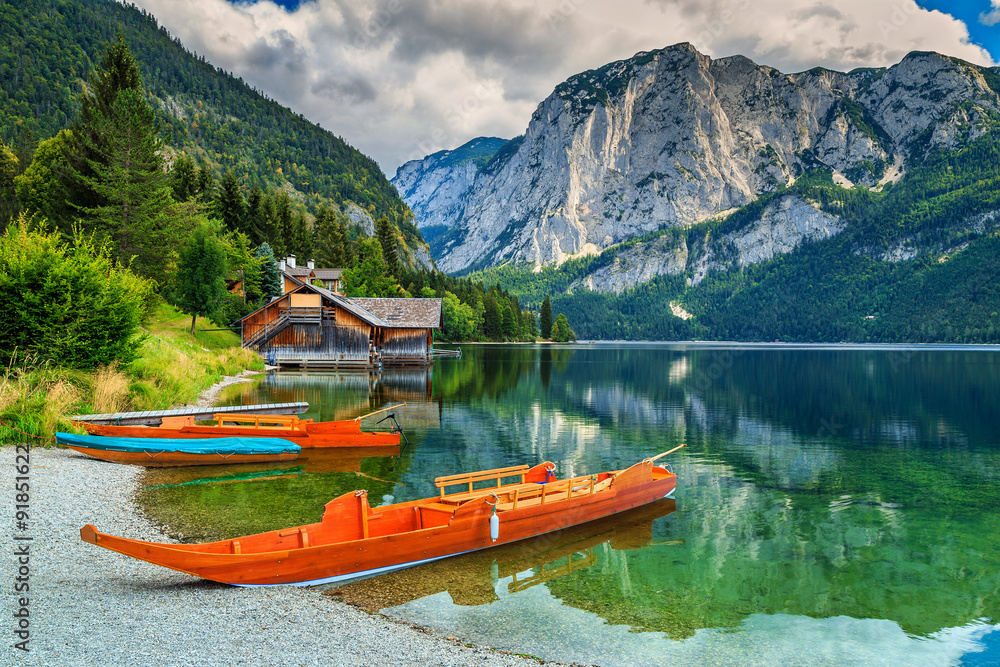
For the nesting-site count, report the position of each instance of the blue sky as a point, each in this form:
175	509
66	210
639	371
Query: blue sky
969	11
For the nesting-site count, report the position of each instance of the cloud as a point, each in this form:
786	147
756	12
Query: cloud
402	78
991	17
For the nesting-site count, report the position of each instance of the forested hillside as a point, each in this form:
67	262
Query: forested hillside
47	53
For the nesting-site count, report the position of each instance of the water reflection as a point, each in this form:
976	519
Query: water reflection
824	491
470	579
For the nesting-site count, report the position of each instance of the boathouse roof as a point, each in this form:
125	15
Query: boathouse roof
404	313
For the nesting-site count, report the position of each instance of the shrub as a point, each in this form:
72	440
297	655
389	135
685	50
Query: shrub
67	302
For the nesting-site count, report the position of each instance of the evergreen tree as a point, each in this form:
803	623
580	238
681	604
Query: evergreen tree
255	219
8	171
271	282
116	165
116	72
510	321
370	275
201	273
67	300
270	226
387	238
183	178
492	319
130	187
284	232
546	318
530	324
331	240
303	245
230	206
205	185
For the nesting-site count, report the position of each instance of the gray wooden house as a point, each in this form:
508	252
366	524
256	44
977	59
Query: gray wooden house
312	326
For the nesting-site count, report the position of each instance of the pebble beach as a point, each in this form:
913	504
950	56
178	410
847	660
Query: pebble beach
90	606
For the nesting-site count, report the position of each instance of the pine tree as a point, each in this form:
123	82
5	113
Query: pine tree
8	171
387	239
116	72
183	177
284	239
230	206
369	276
129	187
116	176
255	220
303	245
270	225
546	318
492	318
330	249
271	282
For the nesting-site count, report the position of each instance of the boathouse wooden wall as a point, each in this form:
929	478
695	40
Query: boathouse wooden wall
306	328
402	344
337	337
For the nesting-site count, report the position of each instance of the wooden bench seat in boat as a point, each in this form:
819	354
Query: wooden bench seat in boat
469	478
484	493
261	421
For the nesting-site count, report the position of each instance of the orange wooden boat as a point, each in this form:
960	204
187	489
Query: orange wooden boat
354	539
303	432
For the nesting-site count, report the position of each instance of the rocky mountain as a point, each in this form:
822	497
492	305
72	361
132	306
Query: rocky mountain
435	187
672	138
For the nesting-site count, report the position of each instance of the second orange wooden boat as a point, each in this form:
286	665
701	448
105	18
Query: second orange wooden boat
303	432
354	539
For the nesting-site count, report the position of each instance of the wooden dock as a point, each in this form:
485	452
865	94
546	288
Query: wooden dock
155	417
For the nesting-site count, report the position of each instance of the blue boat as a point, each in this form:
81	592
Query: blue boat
164	452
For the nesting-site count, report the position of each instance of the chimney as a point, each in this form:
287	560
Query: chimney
281	264
291	261
311	264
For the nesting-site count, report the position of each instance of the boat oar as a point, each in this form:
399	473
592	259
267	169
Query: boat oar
391	407
660	456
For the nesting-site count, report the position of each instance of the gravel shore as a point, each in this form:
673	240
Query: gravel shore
90	606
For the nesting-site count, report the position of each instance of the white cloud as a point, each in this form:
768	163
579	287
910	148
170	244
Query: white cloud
401	78
991	17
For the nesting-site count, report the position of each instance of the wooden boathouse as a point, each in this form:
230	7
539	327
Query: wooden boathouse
310	326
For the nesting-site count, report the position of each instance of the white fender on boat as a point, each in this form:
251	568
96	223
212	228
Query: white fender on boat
494	527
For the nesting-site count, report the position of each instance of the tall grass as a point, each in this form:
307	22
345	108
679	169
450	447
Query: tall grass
172	368
110	389
35	400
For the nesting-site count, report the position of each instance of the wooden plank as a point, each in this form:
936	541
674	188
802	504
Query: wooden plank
155	417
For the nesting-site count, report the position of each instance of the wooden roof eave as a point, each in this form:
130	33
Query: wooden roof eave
327	295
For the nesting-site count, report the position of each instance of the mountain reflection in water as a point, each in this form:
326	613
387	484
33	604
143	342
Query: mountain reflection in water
832	501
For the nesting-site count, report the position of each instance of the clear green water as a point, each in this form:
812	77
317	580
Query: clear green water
835	505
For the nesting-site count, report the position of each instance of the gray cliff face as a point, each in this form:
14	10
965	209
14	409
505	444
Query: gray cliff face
783	225
435	194
435	188
671	138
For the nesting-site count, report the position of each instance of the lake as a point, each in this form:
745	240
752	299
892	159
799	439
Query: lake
836	505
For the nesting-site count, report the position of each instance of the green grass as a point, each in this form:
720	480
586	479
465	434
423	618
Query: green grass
173	367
